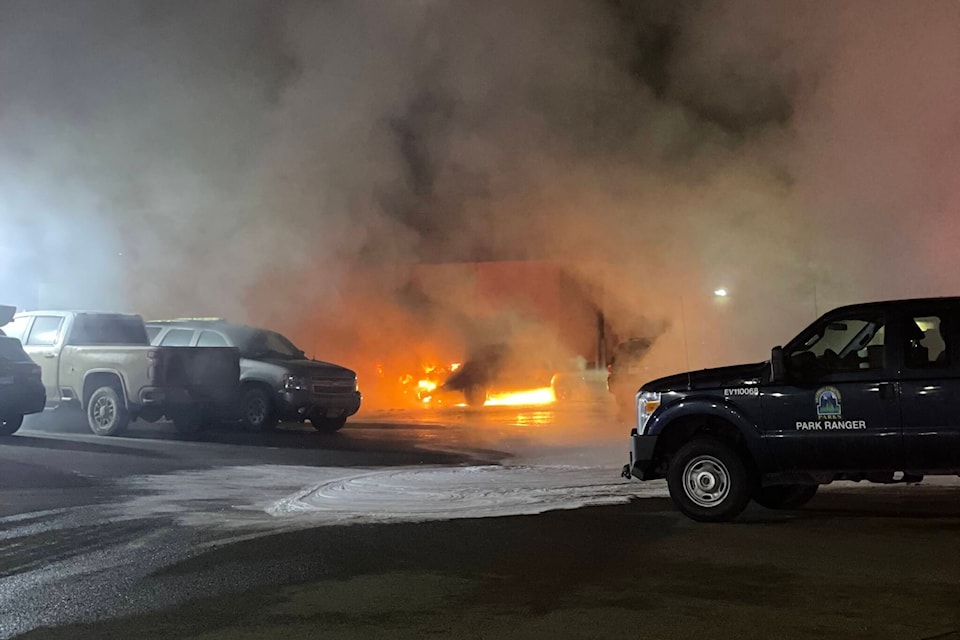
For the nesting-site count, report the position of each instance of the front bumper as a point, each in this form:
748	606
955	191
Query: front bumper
20	399
642	464
303	403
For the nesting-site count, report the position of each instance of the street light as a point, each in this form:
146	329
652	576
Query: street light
720	293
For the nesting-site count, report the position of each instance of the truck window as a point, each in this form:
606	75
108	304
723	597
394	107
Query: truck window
211	339
924	345
847	344
17	329
91	329
152	333
177	338
44	331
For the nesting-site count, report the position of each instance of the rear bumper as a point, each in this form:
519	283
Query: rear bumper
20	399
302	403
642	463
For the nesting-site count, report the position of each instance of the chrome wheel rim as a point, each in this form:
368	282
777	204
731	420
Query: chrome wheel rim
104	412
706	481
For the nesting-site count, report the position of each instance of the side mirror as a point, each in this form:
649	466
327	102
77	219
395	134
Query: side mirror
778	368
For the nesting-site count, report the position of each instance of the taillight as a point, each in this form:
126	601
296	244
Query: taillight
36	372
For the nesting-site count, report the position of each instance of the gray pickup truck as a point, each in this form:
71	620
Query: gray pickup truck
103	362
277	380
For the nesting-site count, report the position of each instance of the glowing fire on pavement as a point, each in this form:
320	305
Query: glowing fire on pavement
543	395
423	387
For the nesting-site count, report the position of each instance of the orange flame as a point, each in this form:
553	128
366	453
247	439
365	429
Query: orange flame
544	395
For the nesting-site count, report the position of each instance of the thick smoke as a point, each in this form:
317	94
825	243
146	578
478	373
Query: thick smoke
284	163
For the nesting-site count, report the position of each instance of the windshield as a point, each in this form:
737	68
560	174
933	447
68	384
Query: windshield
264	344
846	344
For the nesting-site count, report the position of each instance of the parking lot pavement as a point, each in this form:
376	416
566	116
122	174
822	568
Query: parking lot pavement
857	563
399	526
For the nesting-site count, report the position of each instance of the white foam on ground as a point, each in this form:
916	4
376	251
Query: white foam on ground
282	496
461	492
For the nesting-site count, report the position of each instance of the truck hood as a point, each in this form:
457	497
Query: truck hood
310	368
735	376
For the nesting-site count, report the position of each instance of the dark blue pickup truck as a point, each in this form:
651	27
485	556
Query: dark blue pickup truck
867	392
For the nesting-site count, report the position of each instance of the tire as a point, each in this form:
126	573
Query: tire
708	481
10	424
257	412
785	496
475	395
107	413
328	425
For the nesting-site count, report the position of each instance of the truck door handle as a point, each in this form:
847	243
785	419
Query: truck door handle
886	389
49	355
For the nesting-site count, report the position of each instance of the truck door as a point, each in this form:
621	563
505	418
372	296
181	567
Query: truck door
839	408
43	343
930	389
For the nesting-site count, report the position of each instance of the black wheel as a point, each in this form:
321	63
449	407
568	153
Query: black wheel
256	409
708	481
475	395
10	424
785	496
107	414
328	425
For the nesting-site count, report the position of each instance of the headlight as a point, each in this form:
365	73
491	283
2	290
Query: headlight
295	383
647	403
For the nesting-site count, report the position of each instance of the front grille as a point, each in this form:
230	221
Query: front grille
333	386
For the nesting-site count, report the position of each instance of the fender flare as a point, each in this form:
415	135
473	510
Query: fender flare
113	372
709	406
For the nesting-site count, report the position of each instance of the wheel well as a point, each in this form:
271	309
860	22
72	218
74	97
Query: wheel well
259	384
683	430
103	379
246	384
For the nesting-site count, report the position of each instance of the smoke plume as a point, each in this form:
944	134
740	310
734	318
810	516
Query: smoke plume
285	163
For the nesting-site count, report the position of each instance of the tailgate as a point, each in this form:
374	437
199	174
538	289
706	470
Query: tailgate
209	373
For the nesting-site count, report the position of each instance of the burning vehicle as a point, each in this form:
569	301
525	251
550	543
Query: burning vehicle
498	375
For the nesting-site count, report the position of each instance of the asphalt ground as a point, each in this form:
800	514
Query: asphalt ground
80	559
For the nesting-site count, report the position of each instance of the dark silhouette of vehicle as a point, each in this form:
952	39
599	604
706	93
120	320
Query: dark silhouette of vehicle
21	388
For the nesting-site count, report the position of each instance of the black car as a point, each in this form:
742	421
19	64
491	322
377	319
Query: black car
867	392
278	381
21	389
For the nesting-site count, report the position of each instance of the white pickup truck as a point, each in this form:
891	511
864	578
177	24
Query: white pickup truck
103	362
